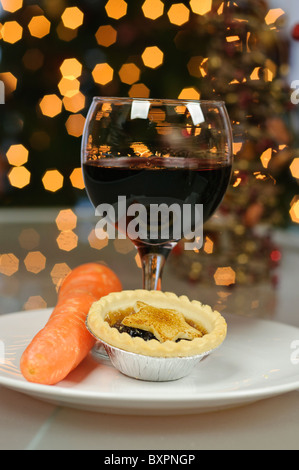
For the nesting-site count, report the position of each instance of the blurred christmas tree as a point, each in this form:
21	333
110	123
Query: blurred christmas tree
208	49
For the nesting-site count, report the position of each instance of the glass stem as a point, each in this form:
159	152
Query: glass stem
153	263
152	266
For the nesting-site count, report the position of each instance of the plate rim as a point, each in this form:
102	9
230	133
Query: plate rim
211	398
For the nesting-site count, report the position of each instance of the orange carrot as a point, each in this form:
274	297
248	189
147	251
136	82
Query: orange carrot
94	278
64	342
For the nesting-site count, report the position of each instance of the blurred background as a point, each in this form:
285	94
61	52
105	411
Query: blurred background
55	55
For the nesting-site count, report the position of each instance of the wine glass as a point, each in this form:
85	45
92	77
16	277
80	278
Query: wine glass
156	170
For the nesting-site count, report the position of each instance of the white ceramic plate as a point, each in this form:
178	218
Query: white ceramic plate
254	363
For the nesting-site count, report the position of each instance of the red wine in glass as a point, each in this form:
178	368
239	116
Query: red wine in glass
153	153
147	182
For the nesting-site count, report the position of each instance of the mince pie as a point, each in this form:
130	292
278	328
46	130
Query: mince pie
156	324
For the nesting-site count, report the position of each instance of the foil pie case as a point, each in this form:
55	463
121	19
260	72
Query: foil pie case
148	368
152	367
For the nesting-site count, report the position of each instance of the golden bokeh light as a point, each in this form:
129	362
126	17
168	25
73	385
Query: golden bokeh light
237	146
66	220
220	9
139	90
51	105
271	70
67	240
9	264
69	86
19	177
141	149
273	15
116	9
35	262
204	66
77	178
75	125
153	9
266	157
194	66
129	73
164	128
59	273
52	180
189	94
268	75
225	276
208	246
294	212
17	155
178	14
35	302
232	39
157	115
74	103
71	68
12	32
237	182
39	26
255	74
153	57
11	5
201	7
103	74
106	36
72	17
10	81
294	167
98	243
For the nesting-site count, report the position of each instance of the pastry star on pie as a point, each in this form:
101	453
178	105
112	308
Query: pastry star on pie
163	323
155	323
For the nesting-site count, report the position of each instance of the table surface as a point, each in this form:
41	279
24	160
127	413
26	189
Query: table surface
29	424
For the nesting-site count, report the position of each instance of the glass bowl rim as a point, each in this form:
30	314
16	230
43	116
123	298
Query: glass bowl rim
166	101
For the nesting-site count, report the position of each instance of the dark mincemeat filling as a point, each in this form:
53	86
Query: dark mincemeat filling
137	333
134	332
